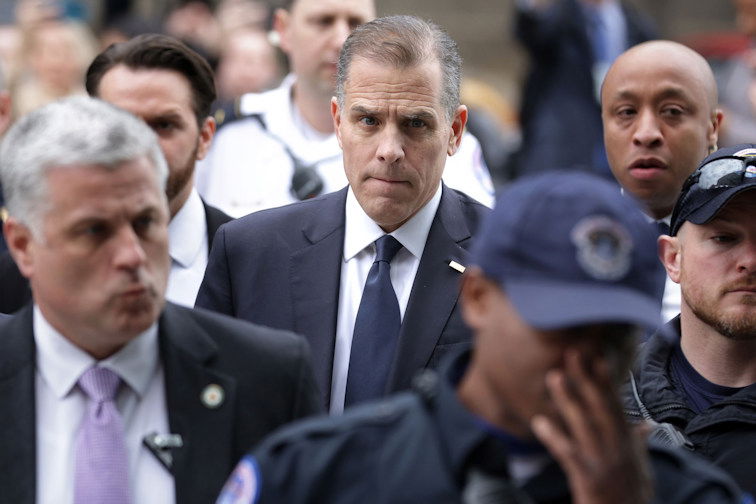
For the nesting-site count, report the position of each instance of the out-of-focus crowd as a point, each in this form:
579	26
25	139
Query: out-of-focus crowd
212	244
44	53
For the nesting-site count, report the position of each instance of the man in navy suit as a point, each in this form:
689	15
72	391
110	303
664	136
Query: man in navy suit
303	267
88	225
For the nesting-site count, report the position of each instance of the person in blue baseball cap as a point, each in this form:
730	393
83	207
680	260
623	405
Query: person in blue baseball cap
703	380
562	278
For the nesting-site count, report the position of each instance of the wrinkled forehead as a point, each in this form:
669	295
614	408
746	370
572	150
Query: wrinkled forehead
376	85
134	179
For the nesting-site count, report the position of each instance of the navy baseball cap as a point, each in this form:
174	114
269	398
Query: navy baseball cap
720	177
568	249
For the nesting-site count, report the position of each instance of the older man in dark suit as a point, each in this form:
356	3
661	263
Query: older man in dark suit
113	395
369	274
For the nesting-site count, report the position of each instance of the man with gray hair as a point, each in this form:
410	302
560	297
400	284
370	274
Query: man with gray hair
369	274
118	396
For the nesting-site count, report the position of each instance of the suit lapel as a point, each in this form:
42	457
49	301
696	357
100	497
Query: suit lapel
214	218
207	432
18	421
434	291
315	284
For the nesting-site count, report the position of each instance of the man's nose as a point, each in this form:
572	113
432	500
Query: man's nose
129	252
341	30
647	132
391	148
747	256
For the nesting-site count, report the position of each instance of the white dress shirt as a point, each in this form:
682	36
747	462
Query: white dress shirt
61	406
672	297
187	246
360	233
247	168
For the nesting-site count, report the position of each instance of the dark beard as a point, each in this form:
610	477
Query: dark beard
178	179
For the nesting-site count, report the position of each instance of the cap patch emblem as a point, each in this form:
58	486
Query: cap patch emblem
243	486
603	246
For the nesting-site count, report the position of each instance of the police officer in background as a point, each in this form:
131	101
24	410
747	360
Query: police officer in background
703	380
283	148
564	274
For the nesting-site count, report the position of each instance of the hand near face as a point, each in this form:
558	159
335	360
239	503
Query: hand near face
603	458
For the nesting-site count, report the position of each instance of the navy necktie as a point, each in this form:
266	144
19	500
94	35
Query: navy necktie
376	328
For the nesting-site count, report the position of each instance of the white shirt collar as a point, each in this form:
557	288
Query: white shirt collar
60	363
361	230
187	231
667	220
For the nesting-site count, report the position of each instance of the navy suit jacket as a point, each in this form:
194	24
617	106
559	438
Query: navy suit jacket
282	267
266	376
560	113
14	287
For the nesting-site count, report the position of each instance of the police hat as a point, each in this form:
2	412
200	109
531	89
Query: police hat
568	249
720	176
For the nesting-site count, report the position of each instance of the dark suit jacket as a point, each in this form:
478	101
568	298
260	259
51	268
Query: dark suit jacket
266	376
282	267
560	115
14	287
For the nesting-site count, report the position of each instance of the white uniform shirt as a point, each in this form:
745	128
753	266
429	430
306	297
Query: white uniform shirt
360	232
61	406
248	169
672	297
187	244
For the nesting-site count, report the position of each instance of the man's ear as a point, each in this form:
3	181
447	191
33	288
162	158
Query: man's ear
281	20
336	114
20	242
474	296
206	134
670	255
5	111
457	129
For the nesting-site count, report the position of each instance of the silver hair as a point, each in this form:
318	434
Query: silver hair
69	132
404	42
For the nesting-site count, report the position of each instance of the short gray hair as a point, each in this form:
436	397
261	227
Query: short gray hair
404	42
68	132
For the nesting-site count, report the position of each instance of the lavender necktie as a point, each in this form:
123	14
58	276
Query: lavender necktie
101	473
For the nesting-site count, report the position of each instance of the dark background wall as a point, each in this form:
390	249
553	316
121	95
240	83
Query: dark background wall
483	29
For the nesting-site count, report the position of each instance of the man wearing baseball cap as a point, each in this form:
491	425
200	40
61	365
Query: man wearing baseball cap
563	277
702	381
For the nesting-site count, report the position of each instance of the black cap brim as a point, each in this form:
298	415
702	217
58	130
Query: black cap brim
708	211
